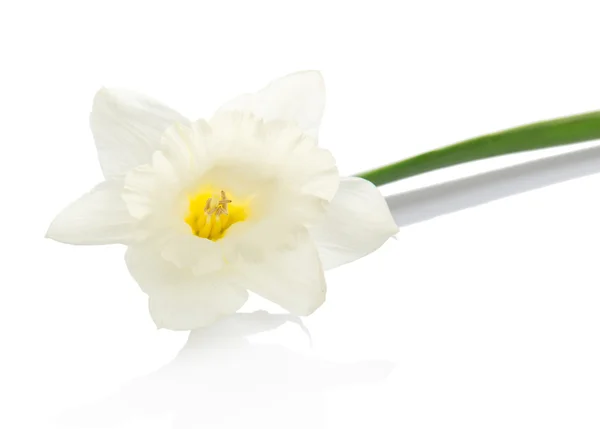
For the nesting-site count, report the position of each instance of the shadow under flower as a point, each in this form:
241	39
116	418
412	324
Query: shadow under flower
221	379
427	203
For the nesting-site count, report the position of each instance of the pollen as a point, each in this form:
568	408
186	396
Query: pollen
212	213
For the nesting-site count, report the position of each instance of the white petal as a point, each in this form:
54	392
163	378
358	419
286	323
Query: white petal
98	217
357	222
151	187
185	250
186	148
298	97
277	149
151	271
172	171
195	306
127	128
178	299
292	278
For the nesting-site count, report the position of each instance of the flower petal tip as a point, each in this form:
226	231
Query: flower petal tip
56	231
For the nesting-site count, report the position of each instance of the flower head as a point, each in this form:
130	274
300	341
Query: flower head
211	209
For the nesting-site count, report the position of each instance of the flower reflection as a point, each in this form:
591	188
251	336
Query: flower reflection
221	379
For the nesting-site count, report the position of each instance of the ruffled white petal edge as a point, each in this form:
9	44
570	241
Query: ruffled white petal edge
292	278
127	128
357	222
98	217
298	97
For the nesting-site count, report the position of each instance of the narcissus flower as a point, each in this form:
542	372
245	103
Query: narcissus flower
211	209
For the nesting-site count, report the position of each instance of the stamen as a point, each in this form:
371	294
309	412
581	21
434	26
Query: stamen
207	205
224	199
220	208
211	219
223	203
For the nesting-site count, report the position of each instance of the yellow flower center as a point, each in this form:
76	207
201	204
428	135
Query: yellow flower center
211	214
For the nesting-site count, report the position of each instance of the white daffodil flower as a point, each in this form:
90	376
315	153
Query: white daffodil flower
212	209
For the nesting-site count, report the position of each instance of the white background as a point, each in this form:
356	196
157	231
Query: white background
481	318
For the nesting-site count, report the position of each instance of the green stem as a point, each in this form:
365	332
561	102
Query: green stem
556	132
